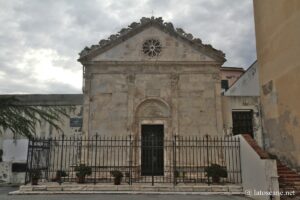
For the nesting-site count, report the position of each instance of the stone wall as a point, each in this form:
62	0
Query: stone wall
5	172
184	97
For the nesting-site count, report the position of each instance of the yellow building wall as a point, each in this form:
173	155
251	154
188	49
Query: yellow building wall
277	24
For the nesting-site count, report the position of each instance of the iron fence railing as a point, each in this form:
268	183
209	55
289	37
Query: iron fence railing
175	160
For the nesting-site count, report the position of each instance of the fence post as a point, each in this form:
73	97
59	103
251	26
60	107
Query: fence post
240	162
26	174
95	176
175	173
207	157
130	160
62	154
48	157
31	157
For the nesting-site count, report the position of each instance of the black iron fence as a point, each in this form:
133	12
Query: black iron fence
173	160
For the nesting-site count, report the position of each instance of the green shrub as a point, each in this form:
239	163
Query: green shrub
216	172
83	170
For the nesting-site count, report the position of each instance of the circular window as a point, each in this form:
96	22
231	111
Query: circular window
152	47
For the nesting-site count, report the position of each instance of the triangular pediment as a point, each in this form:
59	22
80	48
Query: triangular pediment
129	45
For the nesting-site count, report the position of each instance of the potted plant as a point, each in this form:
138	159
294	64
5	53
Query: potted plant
216	172
35	176
59	174
81	171
179	174
117	176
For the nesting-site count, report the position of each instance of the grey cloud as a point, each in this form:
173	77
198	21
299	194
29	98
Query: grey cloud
67	26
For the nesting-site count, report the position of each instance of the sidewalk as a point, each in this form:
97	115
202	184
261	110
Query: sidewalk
73	188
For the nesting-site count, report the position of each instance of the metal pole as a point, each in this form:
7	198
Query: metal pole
130	160
26	174
175	173
62	154
95	167
207	154
31	157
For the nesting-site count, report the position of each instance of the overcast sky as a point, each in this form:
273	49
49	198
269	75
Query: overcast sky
40	39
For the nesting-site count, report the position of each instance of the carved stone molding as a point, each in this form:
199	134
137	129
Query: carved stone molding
153	108
174	79
131	78
216	77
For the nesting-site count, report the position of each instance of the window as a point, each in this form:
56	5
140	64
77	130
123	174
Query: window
242	122
224	84
152	47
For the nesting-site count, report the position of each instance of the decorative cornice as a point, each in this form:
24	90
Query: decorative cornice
136	27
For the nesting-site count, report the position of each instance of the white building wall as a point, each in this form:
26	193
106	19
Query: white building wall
247	84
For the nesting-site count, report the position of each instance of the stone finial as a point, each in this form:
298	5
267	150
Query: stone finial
169	26
134	25
180	31
94	46
123	31
208	45
113	37
159	20
144	20
103	42
85	51
197	41
189	36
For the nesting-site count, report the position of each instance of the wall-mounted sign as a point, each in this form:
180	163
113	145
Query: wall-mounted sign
76	122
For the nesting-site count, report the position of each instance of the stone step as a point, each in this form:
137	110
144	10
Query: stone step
289	183
289	175
134	188
289	180
286	171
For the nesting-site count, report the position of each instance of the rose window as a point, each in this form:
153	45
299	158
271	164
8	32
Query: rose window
152	47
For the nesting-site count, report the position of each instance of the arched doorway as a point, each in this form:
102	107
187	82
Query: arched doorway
152	119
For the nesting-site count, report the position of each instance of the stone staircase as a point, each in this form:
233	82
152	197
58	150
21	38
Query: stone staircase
288	179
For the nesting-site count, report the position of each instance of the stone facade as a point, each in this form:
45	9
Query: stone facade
125	88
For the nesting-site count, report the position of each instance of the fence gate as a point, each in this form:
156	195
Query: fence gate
38	158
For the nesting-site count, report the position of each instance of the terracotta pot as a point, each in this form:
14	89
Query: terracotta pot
80	179
216	179
117	181
34	181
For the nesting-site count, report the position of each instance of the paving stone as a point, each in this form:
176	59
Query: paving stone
25	188
54	188
39	188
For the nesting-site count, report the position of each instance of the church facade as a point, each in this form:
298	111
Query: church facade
152	75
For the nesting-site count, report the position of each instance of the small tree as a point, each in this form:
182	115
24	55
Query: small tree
22	119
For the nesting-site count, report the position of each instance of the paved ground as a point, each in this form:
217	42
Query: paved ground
4	196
